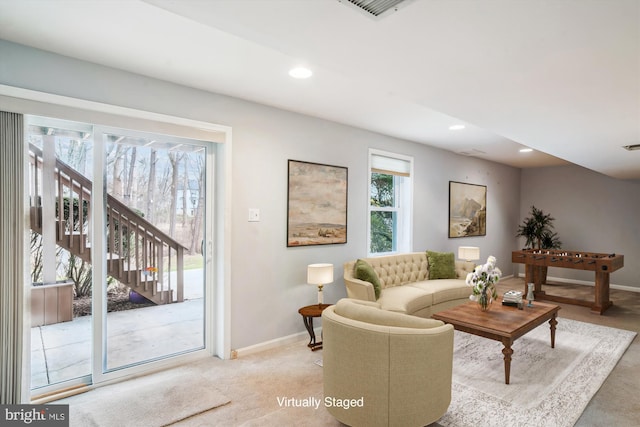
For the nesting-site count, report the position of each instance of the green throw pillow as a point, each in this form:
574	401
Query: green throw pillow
364	271
442	265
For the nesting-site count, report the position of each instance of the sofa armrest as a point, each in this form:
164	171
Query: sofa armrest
359	289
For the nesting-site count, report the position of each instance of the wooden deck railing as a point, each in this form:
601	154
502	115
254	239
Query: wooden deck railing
139	254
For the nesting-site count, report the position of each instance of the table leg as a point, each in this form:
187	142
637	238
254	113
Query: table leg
553	322
308	323
507	351
601	291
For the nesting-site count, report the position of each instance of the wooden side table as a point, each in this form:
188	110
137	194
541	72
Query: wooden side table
308	313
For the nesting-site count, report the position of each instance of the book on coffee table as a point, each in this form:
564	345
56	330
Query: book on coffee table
512	298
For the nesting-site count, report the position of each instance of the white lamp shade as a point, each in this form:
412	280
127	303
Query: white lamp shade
319	274
469	253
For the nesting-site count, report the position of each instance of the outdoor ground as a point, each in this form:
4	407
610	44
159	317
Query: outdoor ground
118	296
118	300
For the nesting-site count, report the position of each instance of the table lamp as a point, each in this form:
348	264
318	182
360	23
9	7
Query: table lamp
319	274
469	253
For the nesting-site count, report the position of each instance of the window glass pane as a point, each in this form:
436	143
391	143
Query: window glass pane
382	190
390	201
383	225
61	260
154	232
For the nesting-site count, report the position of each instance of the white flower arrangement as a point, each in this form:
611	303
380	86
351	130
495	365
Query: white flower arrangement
483	280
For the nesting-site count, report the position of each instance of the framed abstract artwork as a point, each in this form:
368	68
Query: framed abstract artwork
467	209
316	204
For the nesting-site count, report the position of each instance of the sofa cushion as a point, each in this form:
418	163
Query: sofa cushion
364	271
463	268
405	299
396	270
444	290
368	314
442	265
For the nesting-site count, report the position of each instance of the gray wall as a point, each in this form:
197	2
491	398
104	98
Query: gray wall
593	213
267	278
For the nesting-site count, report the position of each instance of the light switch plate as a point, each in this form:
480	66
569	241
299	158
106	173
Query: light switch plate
254	215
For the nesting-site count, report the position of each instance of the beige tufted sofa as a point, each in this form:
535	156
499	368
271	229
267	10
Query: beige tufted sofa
405	284
391	369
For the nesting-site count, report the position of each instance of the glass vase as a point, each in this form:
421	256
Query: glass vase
484	300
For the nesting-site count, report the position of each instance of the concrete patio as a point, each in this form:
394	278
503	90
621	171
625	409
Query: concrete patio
62	351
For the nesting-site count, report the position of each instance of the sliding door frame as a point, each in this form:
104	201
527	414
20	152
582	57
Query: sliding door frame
218	248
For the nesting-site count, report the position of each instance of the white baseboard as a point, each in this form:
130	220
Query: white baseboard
587	283
302	336
275	343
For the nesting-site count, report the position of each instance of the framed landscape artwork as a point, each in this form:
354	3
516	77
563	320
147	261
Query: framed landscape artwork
467	209
316	204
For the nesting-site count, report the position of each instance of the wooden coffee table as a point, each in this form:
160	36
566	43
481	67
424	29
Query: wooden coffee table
501	323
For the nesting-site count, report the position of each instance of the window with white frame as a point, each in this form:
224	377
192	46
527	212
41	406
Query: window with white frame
390	203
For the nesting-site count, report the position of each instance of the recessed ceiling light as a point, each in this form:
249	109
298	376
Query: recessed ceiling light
300	73
456	127
526	150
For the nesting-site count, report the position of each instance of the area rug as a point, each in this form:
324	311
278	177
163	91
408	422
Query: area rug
549	387
151	401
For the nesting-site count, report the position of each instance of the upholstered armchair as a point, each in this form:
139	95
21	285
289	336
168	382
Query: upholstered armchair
383	368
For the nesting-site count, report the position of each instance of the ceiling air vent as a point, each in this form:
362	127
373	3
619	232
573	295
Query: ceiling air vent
471	152
375	8
633	147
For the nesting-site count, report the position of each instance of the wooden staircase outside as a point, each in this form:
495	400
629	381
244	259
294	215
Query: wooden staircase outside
139	255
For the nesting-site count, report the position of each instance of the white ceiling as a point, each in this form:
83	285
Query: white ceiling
559	76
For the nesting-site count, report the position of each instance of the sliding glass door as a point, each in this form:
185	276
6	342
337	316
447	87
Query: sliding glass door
155	207
61	278
117	254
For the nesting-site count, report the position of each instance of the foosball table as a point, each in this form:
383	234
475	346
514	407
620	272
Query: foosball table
536	261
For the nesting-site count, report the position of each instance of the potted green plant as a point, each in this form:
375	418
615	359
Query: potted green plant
537	229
